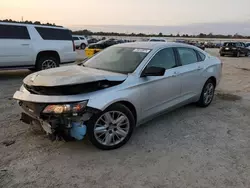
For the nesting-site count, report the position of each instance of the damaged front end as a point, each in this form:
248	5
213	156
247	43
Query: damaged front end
59	121
57	98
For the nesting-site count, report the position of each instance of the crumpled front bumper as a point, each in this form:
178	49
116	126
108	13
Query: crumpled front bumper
64	125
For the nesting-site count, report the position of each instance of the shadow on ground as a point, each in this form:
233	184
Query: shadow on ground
14	74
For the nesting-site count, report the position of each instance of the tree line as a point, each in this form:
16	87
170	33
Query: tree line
30	22
201	35
101	33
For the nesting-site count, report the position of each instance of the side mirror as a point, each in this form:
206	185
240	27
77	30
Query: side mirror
153	71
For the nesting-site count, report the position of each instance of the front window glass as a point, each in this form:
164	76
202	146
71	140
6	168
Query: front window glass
118	59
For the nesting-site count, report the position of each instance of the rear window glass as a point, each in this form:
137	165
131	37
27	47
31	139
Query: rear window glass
229	44
75	38
54	34
13	32
202	56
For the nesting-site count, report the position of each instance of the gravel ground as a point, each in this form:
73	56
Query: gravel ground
189	147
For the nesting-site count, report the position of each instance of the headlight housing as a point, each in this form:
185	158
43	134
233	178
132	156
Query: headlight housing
73	108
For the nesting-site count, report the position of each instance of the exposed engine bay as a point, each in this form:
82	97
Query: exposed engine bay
71	89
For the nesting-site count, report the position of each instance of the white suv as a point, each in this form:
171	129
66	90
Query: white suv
80	41
35	46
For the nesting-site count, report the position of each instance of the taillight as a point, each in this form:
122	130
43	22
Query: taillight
74	46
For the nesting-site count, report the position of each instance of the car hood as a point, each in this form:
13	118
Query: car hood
70	75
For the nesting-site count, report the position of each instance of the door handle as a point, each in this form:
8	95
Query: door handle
25	44
199	68
175	74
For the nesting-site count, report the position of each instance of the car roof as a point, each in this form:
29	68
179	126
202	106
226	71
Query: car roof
34	25
154	45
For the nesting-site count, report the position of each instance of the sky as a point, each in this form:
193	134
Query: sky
170	13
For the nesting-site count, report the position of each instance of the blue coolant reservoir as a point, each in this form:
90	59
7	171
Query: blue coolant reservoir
78	130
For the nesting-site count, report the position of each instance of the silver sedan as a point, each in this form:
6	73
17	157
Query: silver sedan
119	88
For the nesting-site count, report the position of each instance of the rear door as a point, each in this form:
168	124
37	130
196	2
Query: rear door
15	46
59	40
189	73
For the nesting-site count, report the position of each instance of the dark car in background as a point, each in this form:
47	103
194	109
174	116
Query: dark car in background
235	49
92	40
92	49
197	44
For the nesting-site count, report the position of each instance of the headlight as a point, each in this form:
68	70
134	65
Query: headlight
65	108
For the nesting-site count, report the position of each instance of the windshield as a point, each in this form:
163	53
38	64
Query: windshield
118	59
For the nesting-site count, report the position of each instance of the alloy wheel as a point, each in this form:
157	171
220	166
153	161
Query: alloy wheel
208	93
49	63
111	128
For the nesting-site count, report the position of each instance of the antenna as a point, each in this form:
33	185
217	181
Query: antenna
22	18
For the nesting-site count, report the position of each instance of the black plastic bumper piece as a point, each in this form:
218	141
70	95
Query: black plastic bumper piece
26	118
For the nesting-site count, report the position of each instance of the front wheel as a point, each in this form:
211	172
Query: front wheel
111	128
207	94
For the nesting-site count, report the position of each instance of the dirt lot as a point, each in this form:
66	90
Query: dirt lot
190	147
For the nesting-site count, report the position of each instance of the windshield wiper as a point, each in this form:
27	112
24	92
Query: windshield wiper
82	62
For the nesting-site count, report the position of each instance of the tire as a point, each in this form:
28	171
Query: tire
202	101
112	130
222	54
40	64
83	46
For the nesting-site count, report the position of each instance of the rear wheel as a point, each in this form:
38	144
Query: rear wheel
222	54
46	62
207	94
111	128
83	46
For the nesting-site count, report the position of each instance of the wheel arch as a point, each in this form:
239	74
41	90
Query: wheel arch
213	79
129	105
48	53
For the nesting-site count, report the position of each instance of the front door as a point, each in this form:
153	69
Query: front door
161	92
